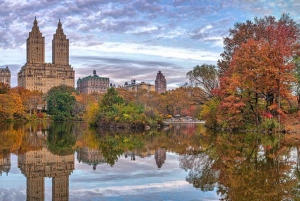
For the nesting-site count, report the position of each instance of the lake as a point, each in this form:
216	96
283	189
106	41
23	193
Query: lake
70	161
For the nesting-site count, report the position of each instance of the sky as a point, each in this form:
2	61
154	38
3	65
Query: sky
126	180
131	39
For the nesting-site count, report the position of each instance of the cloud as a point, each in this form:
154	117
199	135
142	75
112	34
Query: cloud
123	70
160	51
180	32
131	189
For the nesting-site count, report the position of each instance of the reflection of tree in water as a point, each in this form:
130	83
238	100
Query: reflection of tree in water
112	144
61	138
243	167
201	172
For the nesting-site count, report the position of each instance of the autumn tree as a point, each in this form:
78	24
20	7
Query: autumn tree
256	70
206	77
32	100
4	88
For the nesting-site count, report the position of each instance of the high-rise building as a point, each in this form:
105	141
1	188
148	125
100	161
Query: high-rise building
41	76
5	75
92	84
160	83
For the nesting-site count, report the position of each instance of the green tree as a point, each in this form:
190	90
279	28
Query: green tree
61	102
110	99
60	139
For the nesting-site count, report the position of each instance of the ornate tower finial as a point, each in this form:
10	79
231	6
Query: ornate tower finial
35	21
35	45
59	24
60	46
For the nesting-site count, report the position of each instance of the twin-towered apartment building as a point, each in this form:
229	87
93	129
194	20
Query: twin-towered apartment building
40	76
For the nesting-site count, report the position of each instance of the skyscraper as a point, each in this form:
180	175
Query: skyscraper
41	76
160	83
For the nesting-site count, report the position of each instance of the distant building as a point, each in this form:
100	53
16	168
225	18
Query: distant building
134	86
40	76
5	75
92	84
160	83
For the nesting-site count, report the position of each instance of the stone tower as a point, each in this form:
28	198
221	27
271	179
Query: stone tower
35	45
60	47
160	83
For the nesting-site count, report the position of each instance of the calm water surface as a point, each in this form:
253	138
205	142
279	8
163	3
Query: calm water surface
69	161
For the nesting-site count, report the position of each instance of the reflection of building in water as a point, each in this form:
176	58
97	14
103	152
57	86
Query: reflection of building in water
160	157
135	152
36	165
90	156
5	164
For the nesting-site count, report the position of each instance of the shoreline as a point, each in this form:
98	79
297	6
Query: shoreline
184	122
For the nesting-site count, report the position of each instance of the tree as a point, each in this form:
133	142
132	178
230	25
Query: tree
4	88
110	98
32	100
205	76
61	102
61	139
256	69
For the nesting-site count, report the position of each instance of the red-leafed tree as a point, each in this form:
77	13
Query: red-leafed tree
256	69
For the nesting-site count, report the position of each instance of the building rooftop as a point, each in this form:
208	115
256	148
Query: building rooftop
90	77
5	69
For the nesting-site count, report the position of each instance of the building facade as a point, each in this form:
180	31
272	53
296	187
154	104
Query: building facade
160	83
137	86
40	76
91	84
5	75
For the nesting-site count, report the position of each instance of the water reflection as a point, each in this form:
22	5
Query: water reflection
244	167
234	166
36	165
90	156
5	164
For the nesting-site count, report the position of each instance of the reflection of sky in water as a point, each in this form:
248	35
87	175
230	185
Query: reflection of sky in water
126	180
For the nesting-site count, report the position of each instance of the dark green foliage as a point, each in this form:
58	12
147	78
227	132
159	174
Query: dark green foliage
60	139
110	99
60	103
114	112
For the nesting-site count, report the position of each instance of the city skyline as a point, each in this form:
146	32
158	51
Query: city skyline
141	36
